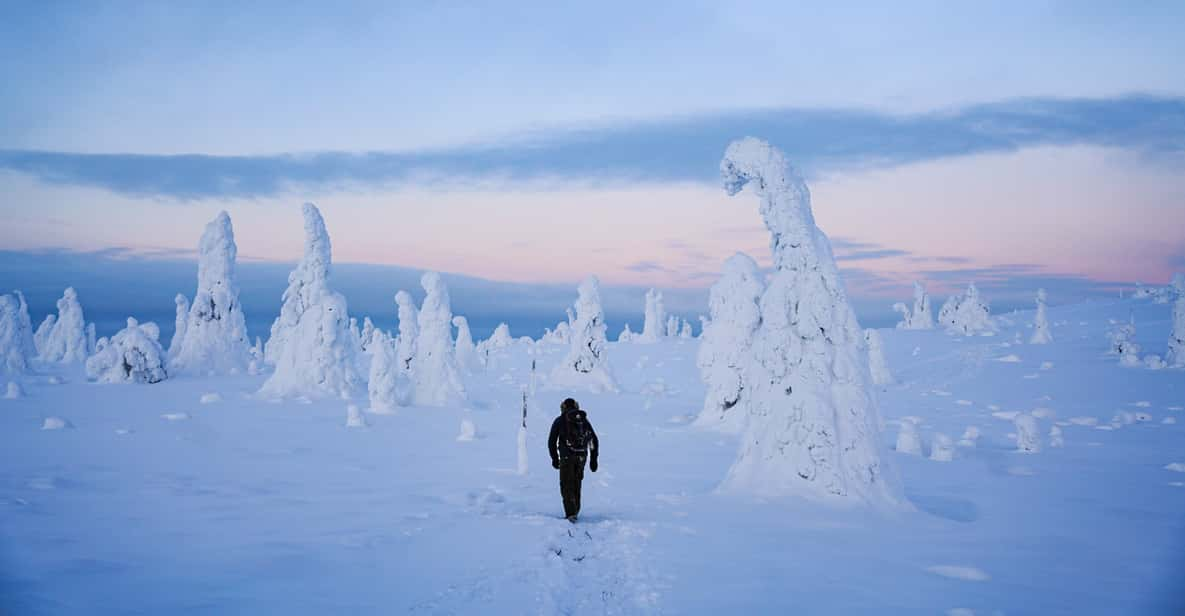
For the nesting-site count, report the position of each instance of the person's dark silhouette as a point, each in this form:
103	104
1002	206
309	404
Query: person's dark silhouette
571	442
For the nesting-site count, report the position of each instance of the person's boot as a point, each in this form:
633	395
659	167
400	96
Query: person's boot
572	518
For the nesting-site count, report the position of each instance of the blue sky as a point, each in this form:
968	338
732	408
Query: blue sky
1021	144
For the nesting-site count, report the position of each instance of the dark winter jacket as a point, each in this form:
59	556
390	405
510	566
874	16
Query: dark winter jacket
557	441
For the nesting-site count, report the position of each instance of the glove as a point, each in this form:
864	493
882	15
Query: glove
592	465
555	463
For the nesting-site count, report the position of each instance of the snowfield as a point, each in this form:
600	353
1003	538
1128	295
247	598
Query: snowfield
162	499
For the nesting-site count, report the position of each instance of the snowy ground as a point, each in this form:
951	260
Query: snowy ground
156	502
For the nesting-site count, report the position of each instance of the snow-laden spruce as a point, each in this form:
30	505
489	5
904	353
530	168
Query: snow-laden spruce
626	334
311	345
1175	356
685	331
465	350
63	338
13	358
724	349
215	334
1028	435
434	369
966	314
812	418
500	339
181	305
562	334
388	386
877	364
133	355
908	440
1041	333
25	327
366	337
586	366
921	317
409	332
655	318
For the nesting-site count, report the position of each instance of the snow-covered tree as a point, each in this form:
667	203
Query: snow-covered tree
908	439
434	369
41	336
685	331
133	355
500	339
724	349
587	362
90	338
25	325
179	323
215	334
942	448
465	350
921	317
65	340
881	375
672	326
966	314
13	358
656	315
311	345
1028	435
1041	333
1121	336
367	335
409	332
1176	354
813	422
388	386
626	335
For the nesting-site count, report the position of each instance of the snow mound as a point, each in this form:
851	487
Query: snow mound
959	572
175	416
13	391
211	398
468	431
942	448
1176	467
1028	436
56	423
354	418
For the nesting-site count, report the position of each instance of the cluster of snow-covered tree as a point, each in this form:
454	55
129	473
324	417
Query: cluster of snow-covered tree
1122	336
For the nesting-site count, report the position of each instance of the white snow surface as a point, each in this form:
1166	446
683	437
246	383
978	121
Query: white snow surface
813	426
296	514
214	336
311	346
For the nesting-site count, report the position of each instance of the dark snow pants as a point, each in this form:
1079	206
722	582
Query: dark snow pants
571	474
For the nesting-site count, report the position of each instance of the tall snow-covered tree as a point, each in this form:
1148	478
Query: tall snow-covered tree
653	327
1041	333
685	331
14	359
587	363
311	345
133	355
409	332
214	339
813	423
1176	353
25	324
65	341
434	369
724	350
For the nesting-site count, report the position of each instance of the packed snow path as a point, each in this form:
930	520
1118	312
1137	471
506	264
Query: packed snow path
147	500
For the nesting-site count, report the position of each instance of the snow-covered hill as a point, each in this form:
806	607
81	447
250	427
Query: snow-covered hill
194	495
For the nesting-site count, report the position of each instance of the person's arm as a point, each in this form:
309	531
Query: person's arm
595	449
552	439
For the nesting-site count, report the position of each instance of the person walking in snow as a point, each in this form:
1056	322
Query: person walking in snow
571	442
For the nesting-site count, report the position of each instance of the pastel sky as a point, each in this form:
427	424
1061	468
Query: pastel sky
1018	144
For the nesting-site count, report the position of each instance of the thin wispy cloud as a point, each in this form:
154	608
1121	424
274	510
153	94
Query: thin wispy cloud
679	149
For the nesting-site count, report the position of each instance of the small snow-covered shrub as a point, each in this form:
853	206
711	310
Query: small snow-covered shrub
354	418
133	355
970	437
56	423
922	316
13	391
1041	333
468	431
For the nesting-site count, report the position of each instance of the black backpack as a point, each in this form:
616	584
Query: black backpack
576	432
